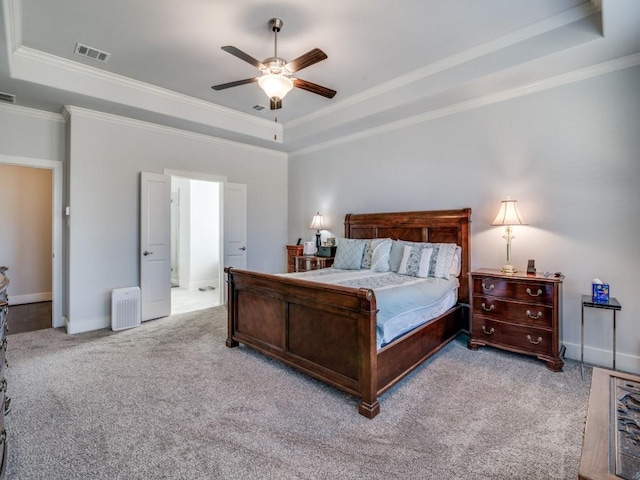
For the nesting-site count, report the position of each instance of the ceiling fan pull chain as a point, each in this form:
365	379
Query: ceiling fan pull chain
275	135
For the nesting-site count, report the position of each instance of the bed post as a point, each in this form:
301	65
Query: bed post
231	306
368	362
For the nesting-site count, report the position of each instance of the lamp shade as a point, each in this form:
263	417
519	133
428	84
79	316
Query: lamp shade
275	86
317	223
509	214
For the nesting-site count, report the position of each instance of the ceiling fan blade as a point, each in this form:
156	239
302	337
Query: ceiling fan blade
237	83
303	61
312	87
243	56
275	105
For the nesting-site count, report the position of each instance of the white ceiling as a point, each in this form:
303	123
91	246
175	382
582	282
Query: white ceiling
388	60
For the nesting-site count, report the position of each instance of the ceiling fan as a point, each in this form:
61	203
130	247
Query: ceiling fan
276	79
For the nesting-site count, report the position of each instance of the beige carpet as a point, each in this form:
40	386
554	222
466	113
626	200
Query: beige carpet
169	400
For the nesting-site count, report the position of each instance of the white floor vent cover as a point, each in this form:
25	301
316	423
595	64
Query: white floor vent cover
125	308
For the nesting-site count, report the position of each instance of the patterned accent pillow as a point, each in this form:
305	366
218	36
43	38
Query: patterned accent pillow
376	254
416	261
349	254
442	260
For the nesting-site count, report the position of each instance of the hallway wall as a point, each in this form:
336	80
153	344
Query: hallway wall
25	230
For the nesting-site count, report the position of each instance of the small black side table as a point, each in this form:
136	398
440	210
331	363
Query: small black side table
587	301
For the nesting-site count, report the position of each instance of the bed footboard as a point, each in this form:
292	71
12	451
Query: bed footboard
326	331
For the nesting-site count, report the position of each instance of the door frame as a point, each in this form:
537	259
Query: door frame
56	234
208	177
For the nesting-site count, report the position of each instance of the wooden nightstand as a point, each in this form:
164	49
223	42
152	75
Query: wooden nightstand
518	312
292	252
304	263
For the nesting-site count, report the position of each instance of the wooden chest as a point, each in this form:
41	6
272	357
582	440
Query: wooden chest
518	312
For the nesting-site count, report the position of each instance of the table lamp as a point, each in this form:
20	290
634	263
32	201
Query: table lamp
508	216
317	224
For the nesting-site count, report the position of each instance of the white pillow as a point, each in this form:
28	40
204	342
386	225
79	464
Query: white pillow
456	265
442	260
380	252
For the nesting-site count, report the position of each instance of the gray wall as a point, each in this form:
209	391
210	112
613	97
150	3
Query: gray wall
25	132
107	154
569	155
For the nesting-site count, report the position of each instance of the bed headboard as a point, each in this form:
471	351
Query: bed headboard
437	226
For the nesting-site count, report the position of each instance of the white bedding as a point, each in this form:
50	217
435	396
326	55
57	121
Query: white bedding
404	302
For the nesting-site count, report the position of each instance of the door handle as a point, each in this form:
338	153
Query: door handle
147	252
242	248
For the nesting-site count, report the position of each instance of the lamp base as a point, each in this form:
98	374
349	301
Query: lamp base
508	269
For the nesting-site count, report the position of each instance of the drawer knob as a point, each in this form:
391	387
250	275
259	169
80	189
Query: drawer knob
539	292
484	329
484	307
534	341
535	317
488	287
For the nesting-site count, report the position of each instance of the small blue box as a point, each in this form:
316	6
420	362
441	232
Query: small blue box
600	293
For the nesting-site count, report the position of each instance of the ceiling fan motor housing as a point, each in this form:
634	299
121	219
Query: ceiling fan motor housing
276	66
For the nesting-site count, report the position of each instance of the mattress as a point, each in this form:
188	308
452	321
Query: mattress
404	302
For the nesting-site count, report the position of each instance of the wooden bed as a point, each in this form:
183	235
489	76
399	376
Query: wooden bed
329	332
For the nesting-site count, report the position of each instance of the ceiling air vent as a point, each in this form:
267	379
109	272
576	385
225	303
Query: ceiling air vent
91	52
7	98
258	108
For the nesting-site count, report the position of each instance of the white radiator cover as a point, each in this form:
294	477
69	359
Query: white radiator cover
125	308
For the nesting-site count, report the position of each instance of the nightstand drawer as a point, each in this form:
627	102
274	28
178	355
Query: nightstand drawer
306	263
535	292
515	337
517	312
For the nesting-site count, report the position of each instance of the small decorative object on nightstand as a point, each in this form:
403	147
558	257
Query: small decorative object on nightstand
305	263
518	312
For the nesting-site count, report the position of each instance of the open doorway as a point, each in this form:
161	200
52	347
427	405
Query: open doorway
32	241
196	233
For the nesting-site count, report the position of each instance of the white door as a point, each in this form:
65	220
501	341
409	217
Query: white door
235	225
155	245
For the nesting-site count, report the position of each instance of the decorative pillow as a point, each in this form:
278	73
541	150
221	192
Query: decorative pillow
395	257
456	265
349	254
445	258
416	261
442	259
376	254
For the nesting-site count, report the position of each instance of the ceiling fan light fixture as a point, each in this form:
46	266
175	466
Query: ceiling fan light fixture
275	86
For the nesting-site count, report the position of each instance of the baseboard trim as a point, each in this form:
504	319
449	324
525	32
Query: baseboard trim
86	326
30	298
600	357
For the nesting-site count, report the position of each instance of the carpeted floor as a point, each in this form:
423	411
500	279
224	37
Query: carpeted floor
169	400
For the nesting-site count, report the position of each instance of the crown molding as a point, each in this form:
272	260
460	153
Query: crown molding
113	78
557	21
32	112
71	111
41	68
13	24
547	84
